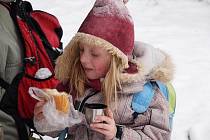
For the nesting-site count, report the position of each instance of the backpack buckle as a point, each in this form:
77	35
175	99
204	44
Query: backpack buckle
30	60
58	50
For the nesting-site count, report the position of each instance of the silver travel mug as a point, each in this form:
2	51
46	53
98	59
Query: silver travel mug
92	110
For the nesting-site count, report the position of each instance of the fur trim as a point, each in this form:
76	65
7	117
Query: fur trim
97	41
152	63
163	72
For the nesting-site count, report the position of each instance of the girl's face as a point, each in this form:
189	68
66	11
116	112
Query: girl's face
95	61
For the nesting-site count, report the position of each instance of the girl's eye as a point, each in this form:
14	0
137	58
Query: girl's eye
94	55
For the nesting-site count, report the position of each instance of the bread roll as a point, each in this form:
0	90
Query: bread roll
61	99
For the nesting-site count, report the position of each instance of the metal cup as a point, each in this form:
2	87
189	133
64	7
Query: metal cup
92	110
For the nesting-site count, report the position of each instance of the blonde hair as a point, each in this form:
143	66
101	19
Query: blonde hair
111	84
69	69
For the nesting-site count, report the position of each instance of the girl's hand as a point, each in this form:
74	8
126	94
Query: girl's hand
108	127
38	114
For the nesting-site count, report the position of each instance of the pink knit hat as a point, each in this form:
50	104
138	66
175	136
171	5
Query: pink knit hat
109	25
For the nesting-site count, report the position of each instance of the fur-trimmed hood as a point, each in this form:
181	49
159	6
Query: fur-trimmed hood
155	64
152	64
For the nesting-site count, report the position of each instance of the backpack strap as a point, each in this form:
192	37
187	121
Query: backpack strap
141	100
171	98
169	93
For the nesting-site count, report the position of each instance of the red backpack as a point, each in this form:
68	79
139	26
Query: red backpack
41	38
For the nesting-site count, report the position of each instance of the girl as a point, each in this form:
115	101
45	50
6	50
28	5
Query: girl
101	59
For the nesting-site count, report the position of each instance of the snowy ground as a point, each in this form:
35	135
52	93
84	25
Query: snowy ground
179	27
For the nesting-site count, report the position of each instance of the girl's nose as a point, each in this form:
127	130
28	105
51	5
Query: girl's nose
84	58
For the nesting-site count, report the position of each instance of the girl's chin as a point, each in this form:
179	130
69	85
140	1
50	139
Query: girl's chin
91	77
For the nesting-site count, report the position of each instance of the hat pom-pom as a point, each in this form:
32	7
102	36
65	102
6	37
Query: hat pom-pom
125	1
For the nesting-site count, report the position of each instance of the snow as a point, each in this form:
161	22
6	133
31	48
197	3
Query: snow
180	28
109	8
